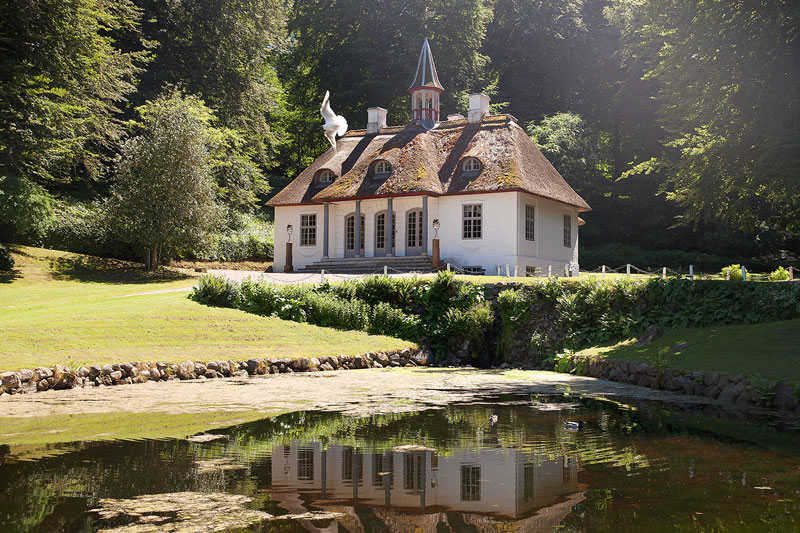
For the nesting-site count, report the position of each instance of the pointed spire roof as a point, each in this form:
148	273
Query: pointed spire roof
426	75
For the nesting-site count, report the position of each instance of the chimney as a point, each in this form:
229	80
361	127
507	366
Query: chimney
376	119
478	107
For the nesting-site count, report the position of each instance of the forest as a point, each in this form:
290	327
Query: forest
159	128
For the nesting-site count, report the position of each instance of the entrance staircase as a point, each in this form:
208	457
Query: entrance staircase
370	265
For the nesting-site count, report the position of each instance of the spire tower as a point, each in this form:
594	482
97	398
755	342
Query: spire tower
425	89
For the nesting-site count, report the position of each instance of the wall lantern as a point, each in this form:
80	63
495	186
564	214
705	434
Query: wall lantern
436	227
289	230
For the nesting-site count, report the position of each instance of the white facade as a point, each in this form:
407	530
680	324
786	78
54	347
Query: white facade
503	238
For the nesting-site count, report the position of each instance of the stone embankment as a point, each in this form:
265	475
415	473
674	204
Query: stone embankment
738	389
59	377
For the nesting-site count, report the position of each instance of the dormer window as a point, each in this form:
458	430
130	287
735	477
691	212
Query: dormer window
325	176
382	169
471	164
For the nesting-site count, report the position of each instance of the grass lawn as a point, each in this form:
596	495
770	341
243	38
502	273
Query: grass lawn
63	307
771	349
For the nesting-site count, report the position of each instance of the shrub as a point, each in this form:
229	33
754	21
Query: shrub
732	272
387	320
249	238
781	274
6	261
216	291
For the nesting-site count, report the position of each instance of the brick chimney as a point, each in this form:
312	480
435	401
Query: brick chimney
376	119
478	107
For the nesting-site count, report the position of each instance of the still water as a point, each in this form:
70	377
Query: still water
631	467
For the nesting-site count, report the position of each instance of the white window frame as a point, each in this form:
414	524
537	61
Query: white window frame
327	173
383	168
567	231
471	164
473	218
530	236
308	232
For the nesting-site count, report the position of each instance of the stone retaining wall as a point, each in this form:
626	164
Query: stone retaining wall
738	389
59	377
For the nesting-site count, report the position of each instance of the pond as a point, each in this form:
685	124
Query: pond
502	463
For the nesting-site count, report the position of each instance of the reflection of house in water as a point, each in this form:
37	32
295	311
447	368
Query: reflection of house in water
498	481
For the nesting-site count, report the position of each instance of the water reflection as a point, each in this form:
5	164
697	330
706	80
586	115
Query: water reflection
506	482
632	468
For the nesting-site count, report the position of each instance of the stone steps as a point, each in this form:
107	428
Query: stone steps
370	265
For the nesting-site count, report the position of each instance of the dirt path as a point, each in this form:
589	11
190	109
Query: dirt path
355	392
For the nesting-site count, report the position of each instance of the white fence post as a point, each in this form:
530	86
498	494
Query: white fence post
508	272
604	271
628	269
448	267
385	270
549	271
664	273
516	271
744	273
322	276
691	272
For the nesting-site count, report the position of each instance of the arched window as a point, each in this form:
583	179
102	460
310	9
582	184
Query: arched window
383	168
471	164
327	176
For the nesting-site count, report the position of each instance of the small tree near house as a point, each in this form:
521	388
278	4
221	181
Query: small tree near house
164	193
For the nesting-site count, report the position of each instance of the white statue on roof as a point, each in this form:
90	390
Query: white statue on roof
334	124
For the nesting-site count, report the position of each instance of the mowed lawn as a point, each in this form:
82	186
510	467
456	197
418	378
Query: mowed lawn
771	349
61	308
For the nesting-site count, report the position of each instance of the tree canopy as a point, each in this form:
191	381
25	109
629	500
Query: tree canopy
678	119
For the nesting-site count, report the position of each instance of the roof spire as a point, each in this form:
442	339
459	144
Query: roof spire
426	75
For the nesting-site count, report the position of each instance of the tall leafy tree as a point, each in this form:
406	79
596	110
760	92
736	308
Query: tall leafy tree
63	79
164	193
225	52
728	96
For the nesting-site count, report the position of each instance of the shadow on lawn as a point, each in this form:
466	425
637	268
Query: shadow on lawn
8	277
104	270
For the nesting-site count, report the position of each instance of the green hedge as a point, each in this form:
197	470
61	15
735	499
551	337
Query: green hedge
443	312
578	315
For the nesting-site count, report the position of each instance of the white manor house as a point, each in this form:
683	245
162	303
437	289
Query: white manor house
478	185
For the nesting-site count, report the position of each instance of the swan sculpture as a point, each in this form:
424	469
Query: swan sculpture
334	124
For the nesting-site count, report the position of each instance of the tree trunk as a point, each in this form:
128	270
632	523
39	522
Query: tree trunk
147	259
153	259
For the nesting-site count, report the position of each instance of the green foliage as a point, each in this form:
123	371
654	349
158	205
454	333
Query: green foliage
26	209
251	238
6	261
732	272
164	193
593	312
216	291
64	74
780	274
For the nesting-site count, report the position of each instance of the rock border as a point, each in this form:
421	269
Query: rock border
735	389
60	377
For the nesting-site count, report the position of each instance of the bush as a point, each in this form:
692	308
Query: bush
6	261
250	238
219	292
616	255
80	228
732	272
781	274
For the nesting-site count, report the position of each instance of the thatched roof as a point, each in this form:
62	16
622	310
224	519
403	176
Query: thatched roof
427	162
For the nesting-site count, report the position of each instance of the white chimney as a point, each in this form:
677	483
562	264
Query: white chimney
376	119
478	107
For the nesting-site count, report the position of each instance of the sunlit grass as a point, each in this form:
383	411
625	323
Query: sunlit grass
51	317
771	349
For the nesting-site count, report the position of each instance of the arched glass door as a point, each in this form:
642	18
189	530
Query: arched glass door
380	233
414	232
350	236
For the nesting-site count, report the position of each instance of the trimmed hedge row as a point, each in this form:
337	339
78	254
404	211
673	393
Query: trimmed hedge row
444	312
574	316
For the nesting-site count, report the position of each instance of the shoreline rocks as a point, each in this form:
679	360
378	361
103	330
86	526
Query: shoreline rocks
734	389
59	377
